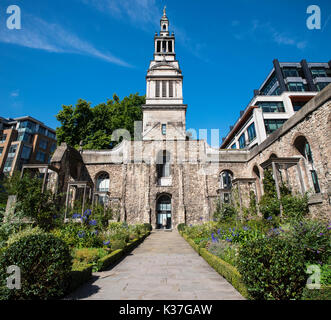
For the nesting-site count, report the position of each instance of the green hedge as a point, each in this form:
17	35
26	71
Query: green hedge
79	275
317	294
226	270
113	257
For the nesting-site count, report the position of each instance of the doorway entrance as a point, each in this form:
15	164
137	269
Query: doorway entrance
163	212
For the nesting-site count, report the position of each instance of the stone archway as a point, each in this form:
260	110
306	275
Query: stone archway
163	212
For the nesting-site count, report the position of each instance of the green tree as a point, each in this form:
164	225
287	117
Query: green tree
95	125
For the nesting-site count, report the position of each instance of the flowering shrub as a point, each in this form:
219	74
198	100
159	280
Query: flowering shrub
224	250
272	268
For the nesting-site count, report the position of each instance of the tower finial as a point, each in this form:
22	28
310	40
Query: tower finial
164	11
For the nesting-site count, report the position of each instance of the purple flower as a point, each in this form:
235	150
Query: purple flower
200	218
228	240
92	222
317	251
213	238
106	243
321	234
219	231
55	216
95	232
245	228
87	212
76	215
81	234
269	218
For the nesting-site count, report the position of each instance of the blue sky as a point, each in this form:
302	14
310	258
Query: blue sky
90	49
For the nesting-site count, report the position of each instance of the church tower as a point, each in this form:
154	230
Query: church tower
164	112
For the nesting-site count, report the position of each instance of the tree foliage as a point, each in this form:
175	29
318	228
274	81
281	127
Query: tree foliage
95	125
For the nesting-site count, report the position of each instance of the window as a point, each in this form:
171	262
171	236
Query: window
318	73
276	92
226	180
28	125
26	152
164	88
41	156
171	89
272	106
296	86
52	135
234	146
170	46
43	144
163	164
164	129
157	88
251	132
53	147
42	130
297	105
158	46
3	138
1	150
242	142
272	125
164	46
269	85
290	72
321	85
315	181
8	165
103	182
12	151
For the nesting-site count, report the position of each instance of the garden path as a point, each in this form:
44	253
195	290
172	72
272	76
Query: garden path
163	267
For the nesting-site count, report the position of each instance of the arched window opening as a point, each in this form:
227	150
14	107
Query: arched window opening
164	27
302	145
102	182
226	180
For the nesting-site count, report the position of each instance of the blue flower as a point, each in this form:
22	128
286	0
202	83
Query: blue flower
76	215
55	216
200	218
213	238
95	232
92	222
321	234
228	240
84	219
106	243
87	212
81	234
245	228
219	231
269	218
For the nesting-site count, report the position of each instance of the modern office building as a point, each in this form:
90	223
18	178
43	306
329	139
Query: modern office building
24	140
288	87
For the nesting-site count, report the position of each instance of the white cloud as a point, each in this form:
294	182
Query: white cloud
261	31
39	34
15	93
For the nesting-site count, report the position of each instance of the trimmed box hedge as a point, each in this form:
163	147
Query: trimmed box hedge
79	275
225	269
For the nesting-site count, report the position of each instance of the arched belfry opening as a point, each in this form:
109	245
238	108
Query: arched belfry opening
163	212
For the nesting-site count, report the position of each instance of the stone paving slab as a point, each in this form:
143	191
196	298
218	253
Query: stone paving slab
163	267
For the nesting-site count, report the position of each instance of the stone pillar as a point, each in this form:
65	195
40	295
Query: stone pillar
274	170
146	217
181	205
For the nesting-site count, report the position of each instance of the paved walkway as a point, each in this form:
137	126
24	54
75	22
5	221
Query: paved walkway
165	267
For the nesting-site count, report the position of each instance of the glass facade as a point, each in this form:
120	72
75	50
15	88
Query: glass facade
290	72
272	125
272	106
318	72
3	138
1	150
26	152
41	156
298	105
269	85
43	144
242	142
164	129
234	146
321	85
296	86
251	132
315	181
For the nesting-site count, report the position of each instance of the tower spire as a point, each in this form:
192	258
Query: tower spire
164	11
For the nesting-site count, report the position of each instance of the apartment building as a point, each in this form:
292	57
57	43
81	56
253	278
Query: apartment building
24	140
287	88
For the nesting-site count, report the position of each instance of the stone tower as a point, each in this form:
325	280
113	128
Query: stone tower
164	112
